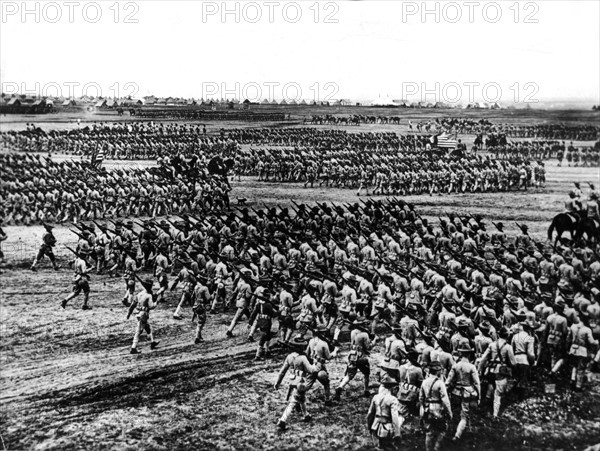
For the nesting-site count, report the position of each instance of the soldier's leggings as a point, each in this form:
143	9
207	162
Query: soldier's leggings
297	401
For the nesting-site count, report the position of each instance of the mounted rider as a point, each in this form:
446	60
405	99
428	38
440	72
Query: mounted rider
573	206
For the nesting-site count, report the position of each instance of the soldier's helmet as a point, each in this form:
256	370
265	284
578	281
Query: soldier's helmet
435	367
298	343
387	380
465	348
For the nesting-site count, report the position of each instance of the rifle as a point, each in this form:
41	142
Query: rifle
74	253
102	228
81	229
80	235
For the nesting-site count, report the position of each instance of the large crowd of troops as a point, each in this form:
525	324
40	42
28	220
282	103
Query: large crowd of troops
383	162
584	156
546	132
35	189
390	171
452	316
120	141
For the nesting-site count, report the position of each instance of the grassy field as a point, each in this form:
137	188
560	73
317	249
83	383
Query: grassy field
68	381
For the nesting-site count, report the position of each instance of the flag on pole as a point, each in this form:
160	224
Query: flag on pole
97	158
447	140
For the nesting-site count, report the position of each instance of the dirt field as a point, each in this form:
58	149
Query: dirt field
69	382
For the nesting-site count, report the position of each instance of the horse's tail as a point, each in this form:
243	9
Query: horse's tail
551	229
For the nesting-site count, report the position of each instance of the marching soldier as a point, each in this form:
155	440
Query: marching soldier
320	353
411	378
555	336
129	276
48	242
383	418
435	407
143	303
263	313
202	298
497	361
580	341
463	383
360	343
80	282
242	296
301	368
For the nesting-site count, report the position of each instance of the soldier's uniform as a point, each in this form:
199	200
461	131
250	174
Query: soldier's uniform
556	335
80	283
581	341
48	242
411	377
357	358
129	276
463	383
263	313
497	362
435	408
318	351
382	418
242	294
301	368
201	300
143	303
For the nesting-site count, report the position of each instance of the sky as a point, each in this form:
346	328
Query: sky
361	50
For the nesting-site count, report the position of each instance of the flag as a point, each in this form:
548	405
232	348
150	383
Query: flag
97	158
447	141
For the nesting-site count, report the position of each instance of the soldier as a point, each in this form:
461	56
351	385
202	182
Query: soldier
188	280
221	273
201	300
580	341
143	303
463	383
307	316
383	418
129	276
497	362
48	242
161	265
592	206
286	320
263	313
411	378
301	369
555	335
242	295
523	343
357	357
319	352
80	282
435	407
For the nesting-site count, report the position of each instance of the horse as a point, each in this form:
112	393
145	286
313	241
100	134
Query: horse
589	227
577	226
563	222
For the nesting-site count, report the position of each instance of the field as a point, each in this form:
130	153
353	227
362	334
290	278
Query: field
69	382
